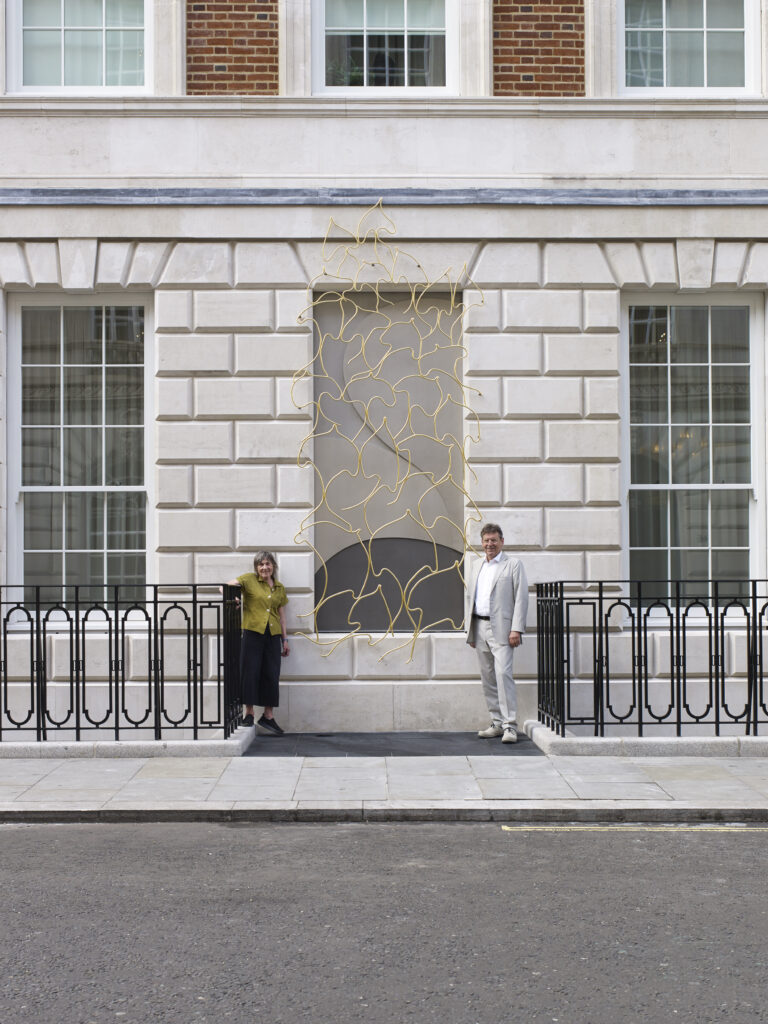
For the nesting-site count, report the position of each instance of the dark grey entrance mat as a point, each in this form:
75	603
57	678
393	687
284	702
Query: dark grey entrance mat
387	744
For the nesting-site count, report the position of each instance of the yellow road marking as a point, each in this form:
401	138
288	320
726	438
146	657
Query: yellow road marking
633	828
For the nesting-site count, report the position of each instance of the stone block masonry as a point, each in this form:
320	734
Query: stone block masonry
232	47
538	48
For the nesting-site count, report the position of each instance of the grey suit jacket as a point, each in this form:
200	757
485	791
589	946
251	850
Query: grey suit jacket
509	598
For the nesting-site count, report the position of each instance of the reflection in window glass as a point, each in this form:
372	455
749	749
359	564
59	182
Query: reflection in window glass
83	427
385	43
82	43
684	43
690	439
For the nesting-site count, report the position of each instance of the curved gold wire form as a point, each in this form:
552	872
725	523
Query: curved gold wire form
387	378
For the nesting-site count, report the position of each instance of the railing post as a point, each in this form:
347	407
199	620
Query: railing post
754	667
598	694
719	674
155	666
677	662
194	666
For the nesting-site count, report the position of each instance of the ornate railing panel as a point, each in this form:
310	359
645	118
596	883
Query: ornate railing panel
653	657
111	662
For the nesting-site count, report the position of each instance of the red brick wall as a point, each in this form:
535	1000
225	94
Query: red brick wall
538	48
232	47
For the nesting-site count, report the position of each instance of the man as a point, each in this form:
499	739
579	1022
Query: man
495	608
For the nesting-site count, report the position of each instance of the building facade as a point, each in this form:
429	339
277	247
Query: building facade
587	178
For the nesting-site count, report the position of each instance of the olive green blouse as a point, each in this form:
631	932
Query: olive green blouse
260	604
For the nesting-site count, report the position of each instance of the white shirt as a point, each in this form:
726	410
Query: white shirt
485	580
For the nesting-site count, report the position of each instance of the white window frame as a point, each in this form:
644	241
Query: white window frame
752	63
14	568
758	513
452	62
14	57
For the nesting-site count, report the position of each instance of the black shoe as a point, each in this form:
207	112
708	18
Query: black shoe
270	726
247	720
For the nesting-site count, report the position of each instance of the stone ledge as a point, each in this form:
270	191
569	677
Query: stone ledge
645	746
235	746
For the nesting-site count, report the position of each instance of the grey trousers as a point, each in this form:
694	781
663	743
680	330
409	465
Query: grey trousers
496	675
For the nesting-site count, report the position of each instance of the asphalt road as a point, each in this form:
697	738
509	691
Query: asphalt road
462	924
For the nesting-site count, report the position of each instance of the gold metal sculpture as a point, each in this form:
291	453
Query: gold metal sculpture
391	430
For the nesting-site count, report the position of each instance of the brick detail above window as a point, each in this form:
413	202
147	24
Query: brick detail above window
538	48
232	47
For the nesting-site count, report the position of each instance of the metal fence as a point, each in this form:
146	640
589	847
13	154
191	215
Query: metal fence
119	662
653	657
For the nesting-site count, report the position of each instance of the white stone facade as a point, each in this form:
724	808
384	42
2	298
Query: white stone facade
545	353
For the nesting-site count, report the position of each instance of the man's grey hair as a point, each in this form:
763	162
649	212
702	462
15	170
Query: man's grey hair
491	528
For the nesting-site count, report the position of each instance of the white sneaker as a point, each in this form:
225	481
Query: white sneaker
510	735
490	733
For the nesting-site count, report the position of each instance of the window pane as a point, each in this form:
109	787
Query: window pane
688	334
40	395
125	394
689	519
82	395
129	573
82	58
82	336
125	58
83	569
42	58
730	519
82	456
386	14
730	394
386	60
643	13
647	519
39	570
426	60
344	14
426	14
648	334
125	12
124	453
730	565
650	460
85	521
42	522
725	13
685	59
731	456
690	455
40	457
40	335
46	13
730	334
649	565
691	566
124	332
645	59
82	13
685	13
126	516
344	60
690	394
648	394
725	59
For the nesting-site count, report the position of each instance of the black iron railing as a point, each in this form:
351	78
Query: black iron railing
119	662
652	658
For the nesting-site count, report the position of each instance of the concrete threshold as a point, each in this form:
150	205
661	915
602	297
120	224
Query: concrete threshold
519	812
645	746
235	746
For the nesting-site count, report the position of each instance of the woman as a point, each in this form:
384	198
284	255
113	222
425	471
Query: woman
264	640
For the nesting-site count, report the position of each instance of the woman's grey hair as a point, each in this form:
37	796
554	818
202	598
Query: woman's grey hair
265	556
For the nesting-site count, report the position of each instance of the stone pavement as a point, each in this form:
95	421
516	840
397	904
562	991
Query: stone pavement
469	787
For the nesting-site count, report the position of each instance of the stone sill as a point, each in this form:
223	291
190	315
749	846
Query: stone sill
646	746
